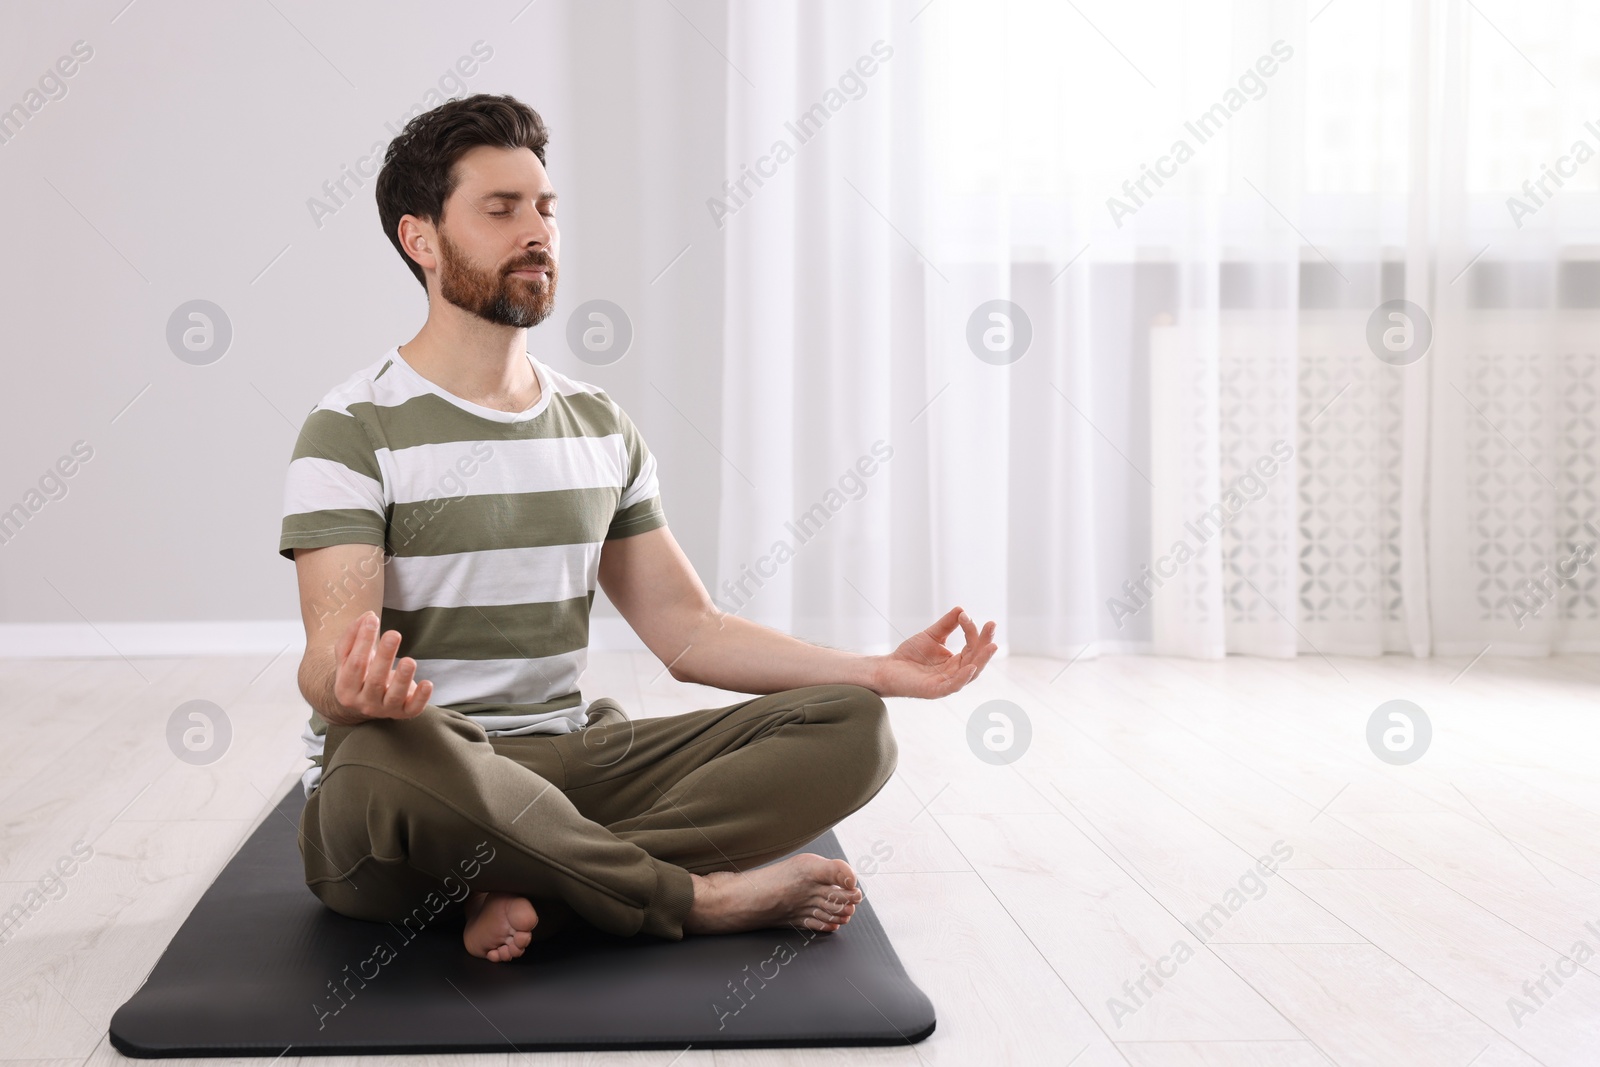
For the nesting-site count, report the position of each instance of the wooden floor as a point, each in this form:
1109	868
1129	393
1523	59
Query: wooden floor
1051	907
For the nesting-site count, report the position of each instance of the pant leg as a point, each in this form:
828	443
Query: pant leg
734	787
404	805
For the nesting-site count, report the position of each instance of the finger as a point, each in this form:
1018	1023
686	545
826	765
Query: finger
980	663
365	657
973	642
406	685
366	648
953	668
361	643
980	659
391	686
969	631
418	698
382	663
347	640
394	697
979	652
350	674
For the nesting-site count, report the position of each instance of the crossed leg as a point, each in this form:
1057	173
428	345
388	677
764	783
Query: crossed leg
628	825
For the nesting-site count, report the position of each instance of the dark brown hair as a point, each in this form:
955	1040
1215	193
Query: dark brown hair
418	172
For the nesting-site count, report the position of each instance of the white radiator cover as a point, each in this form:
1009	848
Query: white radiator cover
1350	555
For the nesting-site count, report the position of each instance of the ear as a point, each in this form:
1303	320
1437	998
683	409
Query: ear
419	241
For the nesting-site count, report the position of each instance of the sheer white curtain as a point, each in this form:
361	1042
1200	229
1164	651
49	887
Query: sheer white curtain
1078	315
1515	389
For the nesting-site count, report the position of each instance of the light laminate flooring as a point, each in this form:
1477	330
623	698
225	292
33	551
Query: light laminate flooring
1096	901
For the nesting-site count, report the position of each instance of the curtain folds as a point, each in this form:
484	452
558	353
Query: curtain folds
1084	319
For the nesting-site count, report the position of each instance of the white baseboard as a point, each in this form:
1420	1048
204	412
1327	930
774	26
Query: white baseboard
75	640
268	637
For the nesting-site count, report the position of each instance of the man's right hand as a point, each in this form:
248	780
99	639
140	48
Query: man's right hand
368	682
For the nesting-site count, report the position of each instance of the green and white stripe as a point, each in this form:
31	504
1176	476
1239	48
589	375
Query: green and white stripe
492	524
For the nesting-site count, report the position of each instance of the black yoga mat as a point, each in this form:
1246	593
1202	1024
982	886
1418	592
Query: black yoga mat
254	969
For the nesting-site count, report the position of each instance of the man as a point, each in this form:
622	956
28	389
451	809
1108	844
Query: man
453	505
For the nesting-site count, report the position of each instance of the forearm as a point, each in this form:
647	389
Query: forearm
733	653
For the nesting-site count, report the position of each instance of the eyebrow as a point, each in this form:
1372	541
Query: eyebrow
542	196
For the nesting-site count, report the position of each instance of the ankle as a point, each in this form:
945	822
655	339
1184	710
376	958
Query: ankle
707	899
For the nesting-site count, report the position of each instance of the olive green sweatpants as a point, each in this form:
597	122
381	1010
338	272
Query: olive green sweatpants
604	824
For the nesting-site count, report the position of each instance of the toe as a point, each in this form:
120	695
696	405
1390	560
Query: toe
841	892
836	901
521	914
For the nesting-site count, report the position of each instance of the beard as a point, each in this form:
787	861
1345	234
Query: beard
495	295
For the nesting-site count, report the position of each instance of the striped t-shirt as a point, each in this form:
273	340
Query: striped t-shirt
491	524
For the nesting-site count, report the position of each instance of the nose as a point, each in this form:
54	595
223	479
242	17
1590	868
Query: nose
537	235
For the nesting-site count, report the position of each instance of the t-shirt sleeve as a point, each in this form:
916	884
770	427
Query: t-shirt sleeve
333	494
639	508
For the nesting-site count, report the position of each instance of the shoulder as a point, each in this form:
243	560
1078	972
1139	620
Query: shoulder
565	385
375	385
344	426
583	397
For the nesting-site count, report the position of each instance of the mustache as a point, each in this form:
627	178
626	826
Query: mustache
540	259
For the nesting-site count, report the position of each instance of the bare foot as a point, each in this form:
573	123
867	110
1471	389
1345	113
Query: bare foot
499	926
808	890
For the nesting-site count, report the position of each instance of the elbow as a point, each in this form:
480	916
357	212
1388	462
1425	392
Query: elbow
701	627
680	667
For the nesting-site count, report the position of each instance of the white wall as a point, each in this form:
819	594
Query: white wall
179	165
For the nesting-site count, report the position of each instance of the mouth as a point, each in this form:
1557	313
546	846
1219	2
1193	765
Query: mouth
531	272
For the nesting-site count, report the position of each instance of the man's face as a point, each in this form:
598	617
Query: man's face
498	259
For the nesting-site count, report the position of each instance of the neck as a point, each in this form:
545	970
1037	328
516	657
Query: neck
480	362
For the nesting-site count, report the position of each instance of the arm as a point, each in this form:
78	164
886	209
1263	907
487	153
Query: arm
651	582
348	673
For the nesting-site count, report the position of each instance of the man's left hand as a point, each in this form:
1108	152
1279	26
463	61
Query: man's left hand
923	667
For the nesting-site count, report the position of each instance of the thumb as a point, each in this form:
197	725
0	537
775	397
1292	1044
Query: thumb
946	625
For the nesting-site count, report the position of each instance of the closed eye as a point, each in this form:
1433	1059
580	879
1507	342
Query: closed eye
546	214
